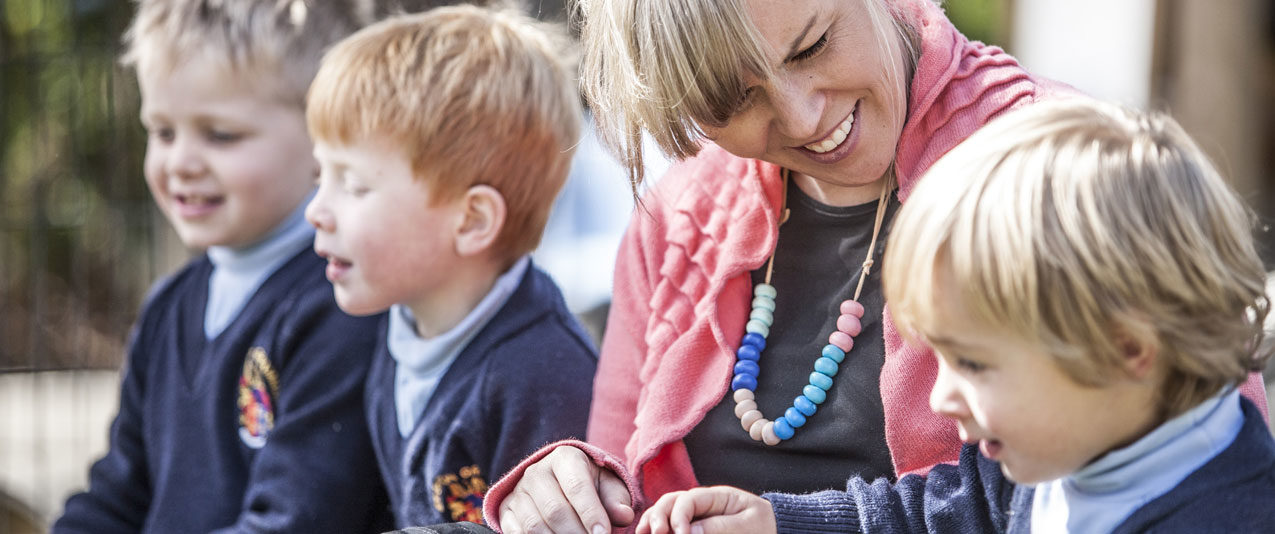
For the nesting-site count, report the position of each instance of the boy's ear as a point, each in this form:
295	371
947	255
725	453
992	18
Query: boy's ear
1139	350
483	213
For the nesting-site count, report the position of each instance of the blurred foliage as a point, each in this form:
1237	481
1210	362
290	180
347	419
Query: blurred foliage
981	20
76	230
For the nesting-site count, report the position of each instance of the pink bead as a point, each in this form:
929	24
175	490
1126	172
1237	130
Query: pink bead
849	324
841	339
852	308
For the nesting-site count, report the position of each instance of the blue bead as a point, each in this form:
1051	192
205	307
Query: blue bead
812	392
826	366
747	367
795	417
763	302
748	382
804	405
763	315
834	353
757	327
747	352
783	429
756	341
765	290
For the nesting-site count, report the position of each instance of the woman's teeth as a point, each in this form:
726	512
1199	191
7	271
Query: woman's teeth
834	140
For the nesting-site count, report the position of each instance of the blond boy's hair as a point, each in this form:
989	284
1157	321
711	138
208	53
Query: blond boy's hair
473	96
274	43
672	67
1083	226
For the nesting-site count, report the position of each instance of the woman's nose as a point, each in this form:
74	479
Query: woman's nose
797	110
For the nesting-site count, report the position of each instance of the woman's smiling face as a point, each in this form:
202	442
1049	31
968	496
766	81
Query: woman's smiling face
837	103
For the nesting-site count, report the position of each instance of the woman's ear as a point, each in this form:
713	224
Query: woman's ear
483	214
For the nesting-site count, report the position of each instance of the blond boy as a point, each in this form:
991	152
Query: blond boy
241	404
1094	294
443	139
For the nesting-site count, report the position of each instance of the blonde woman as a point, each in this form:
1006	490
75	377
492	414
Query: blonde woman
803	126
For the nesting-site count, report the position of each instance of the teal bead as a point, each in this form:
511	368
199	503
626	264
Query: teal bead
763	315
765	290
821	381
834	353
815	394
757	327
765	303
826	366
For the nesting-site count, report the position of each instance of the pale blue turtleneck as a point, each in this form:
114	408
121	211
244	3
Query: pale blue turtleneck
1101	495
238	272
422	362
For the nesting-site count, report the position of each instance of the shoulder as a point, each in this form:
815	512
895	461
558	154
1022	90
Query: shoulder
535	337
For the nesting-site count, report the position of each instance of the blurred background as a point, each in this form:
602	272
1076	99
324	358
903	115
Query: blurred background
80	241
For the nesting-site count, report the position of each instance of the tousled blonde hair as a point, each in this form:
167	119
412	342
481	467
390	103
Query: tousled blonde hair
275	43
1081	225
671	67
473	96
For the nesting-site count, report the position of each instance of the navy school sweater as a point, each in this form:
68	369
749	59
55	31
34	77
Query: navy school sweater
260	429
525	380
1233	492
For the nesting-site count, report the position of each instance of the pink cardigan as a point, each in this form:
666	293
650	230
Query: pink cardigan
682	287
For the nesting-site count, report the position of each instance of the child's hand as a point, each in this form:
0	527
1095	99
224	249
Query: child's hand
716	509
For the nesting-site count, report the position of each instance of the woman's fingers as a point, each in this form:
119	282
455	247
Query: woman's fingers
615	498
577	480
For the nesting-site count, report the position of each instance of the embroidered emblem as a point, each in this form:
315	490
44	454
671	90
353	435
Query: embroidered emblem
460	496
258	387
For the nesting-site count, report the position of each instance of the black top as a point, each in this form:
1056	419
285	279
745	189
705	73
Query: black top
820	252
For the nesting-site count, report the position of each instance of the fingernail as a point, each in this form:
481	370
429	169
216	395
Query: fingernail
599	529
697	529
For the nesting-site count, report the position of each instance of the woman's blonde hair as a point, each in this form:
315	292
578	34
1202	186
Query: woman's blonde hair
278	43
473	96
670	67
1081	226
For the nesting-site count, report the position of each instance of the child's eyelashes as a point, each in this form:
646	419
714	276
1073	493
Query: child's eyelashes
970	366
222	137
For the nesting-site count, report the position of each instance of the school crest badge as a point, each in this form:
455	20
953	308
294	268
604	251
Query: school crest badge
459	496
258	388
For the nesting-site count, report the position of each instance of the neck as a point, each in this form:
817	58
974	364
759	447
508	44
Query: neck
442	310
836	194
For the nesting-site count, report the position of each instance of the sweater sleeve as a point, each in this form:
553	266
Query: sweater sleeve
618	382
119	493
968	497
317	472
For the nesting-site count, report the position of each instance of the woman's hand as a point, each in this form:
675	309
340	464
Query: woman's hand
717	509
565	492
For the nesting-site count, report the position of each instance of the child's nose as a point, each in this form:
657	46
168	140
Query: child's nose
185	160
317	215
945	397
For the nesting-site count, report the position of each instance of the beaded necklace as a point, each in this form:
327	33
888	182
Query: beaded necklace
758	327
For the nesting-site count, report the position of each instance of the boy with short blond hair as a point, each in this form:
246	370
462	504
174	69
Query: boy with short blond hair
241	403
1095	297
443	139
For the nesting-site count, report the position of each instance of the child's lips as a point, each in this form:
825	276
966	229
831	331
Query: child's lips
336	268
191	206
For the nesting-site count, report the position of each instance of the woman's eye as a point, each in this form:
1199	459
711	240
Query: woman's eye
814	49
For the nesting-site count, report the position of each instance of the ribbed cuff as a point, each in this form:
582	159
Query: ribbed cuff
824	512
